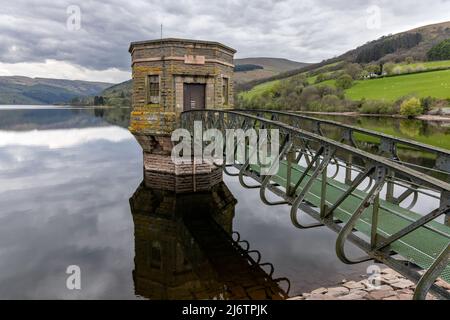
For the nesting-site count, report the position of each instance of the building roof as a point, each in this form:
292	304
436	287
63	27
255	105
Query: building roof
177	40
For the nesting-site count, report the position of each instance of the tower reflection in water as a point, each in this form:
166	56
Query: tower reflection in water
185	248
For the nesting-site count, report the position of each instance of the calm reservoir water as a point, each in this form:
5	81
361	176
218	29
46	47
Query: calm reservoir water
70	194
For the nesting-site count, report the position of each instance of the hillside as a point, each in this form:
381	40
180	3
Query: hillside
374	78
119	94
24	90
270	68
430	35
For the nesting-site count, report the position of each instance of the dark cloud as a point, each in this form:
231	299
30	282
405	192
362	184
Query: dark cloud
299	30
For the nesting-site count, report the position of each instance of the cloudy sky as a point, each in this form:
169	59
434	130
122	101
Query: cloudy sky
88	40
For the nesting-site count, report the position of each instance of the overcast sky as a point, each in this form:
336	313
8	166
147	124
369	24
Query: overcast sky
48	38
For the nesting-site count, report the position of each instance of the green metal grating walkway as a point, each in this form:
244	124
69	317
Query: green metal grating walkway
374	218
421	246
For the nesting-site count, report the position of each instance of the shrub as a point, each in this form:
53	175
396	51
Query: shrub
320	78
427	103
353	70
440	51
409	60
373	68
331	101
309	94
344	82
398	70
411	107
377	107
324	90
388	68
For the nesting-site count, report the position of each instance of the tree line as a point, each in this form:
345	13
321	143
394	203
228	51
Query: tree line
379	48
441	51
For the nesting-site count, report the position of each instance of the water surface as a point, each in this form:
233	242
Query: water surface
66	179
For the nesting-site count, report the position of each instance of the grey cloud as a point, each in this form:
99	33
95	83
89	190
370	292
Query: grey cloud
301	30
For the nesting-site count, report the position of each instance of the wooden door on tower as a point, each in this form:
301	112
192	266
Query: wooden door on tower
194	96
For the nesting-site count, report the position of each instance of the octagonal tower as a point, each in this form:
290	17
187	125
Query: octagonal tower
171	76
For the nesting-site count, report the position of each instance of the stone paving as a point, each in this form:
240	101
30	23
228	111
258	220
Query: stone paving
392	286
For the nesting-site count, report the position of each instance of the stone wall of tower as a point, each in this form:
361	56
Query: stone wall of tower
175	63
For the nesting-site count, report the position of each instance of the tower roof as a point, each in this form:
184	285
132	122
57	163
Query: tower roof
168	41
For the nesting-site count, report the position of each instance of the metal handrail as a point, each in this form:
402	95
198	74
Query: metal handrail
416	175
380	168
443	154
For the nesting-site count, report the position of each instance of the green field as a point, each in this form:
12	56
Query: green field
266	86
435	84
259	89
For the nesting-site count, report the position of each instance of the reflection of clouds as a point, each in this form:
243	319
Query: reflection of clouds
306	257
69	205
66	202
62	138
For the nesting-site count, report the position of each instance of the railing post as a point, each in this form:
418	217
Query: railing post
348	170
374	226
323	195
390	187
445	201
290	157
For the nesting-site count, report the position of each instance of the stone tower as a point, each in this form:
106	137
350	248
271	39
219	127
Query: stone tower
171	76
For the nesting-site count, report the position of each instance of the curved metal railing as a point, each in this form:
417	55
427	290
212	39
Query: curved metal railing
388	230
386	145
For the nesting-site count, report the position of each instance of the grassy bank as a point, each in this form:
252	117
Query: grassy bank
435	84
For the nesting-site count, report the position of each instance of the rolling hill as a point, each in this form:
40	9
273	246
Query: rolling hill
24	90
403	71
270	68
430	35
119	94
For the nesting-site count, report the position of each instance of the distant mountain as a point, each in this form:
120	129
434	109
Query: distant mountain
268	67
24	90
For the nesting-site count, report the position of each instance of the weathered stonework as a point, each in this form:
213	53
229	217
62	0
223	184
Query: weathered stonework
162	70
169	263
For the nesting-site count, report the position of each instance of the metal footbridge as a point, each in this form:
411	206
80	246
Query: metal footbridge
366	186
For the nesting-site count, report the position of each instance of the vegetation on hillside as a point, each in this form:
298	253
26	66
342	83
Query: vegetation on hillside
390	75
247	67
440	51
349	89
24	90
118	95
379	48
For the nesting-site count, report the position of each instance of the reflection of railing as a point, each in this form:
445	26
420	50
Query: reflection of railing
244	263
246	252
386	231
387	145
182	237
